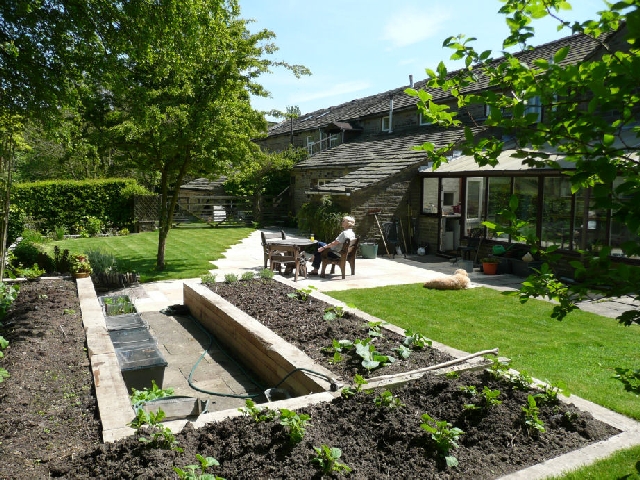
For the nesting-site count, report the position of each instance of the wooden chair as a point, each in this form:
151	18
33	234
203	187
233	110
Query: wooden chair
347	254
292	257
270	236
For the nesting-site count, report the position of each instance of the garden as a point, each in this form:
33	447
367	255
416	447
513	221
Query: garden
487	423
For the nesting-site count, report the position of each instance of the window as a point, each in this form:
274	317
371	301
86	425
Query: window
425	121
386	125
526	189
533	105
333	140
429	195
475	198
310	144
447	199
556	213
499	194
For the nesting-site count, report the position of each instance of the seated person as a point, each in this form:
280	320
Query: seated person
335	246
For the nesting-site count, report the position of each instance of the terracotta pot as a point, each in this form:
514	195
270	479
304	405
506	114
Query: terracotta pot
490	268
81	274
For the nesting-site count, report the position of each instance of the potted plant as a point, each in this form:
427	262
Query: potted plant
490	265
80	266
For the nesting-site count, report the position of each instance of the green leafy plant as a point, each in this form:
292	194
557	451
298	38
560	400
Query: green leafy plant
30	273
371	359
123	232
337	347
302	293
80	263
8	294
531	420
208	279
119	305
190	471
375	329
265	274
59	232
4	343
490	396
452	374
294	423
159	436
101	261
388	400
246	276
416	340
61	259
139	397
331	313
93	226
230	278
326	459
402	351
258	414
444	436
348	391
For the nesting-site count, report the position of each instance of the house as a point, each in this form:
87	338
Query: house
361	155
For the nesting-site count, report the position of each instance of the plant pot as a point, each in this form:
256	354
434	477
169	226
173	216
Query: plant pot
490	268
81	274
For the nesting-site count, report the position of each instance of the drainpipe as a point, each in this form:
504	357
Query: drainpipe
391	114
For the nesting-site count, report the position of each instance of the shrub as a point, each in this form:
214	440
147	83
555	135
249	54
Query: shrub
102	262
93	226
323	218
26	253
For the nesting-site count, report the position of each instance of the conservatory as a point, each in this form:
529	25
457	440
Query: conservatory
460	195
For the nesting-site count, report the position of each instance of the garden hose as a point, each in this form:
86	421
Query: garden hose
212	341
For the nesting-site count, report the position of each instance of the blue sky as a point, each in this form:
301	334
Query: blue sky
356	48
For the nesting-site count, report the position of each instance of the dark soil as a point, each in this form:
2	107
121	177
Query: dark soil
49	426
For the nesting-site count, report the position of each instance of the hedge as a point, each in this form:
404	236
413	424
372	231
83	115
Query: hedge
69	203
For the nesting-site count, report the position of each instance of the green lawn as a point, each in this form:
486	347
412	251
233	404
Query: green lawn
189	250
579	353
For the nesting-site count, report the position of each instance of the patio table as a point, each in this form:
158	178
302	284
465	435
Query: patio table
290	251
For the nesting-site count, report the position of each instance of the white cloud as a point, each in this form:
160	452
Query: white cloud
409	26
333	91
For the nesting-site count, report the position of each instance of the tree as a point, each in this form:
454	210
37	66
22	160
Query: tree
580	99
266	174
173	89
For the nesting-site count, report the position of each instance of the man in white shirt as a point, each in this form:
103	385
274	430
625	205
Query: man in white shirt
335	246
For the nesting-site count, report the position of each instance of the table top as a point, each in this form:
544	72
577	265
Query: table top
300	242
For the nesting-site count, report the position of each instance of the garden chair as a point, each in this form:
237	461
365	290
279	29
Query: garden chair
270	236
292	257
473	245
347	254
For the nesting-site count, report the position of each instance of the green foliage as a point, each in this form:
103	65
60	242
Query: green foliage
375	329
102	261
265	274
302	293
294	423
74	204
189	472
17	220
371	359
246	276
208	279
403	352
4	343
531	420
145	395
26	253
331	313
61	260
444	436
8	294
359	381
327	460
80	263
416	341
387	400
159	435
323	218
30	273
230	278
258	414
336	348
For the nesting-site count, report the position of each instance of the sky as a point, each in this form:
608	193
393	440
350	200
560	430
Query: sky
357	48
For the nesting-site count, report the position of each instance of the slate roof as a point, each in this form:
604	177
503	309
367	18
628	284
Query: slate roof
581	47
377	159
204	184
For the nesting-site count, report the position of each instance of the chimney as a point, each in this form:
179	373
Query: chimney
410	81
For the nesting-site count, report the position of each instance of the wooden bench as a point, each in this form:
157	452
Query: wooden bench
347	254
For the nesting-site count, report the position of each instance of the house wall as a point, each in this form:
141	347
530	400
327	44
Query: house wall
303	180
